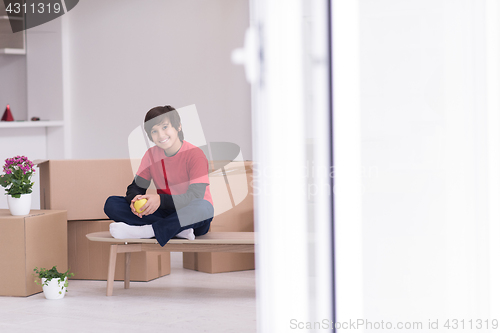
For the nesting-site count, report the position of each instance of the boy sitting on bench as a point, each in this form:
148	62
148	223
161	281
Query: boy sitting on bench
183	204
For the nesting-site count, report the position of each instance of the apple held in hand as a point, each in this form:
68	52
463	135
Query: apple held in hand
139	204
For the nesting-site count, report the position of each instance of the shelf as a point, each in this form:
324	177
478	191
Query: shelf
12	51
11	18
25	124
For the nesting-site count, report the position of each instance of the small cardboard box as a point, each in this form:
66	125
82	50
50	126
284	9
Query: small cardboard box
89	260
35	240
232	192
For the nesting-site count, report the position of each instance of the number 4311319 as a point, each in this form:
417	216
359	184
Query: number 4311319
34	8
471	324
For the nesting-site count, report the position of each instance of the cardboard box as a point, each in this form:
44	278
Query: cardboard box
35	240
89	260
232	193
82	186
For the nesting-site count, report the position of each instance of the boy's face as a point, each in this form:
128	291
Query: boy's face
165	136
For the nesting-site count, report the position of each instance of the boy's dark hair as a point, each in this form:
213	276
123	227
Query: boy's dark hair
156	115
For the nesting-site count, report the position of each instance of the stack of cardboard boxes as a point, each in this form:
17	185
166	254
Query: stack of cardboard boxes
35	240
231	186
82	186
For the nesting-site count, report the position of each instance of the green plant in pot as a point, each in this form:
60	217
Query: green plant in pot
54	284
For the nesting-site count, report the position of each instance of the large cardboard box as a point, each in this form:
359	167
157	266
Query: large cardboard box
82	186
35	240
89	260
232	192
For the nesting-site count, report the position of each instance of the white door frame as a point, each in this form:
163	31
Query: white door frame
291	118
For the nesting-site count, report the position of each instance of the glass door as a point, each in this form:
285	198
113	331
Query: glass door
287	61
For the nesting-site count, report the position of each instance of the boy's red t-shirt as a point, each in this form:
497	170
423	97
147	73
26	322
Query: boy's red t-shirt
173	175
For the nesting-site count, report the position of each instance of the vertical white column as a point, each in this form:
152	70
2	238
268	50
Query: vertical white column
467	158
457	147
319	167
67	84
45	80
279	132
492	11
347	162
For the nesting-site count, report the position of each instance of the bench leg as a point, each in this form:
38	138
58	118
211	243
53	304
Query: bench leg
113	252
127	270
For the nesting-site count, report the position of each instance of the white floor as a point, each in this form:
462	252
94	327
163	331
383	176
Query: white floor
184	301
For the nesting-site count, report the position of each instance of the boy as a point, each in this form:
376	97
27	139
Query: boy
183	204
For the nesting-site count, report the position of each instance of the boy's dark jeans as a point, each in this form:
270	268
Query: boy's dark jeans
166	223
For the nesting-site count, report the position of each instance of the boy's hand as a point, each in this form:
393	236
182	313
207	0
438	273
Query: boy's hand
132	208
151	206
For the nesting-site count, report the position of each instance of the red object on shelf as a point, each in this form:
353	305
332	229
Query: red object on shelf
7	115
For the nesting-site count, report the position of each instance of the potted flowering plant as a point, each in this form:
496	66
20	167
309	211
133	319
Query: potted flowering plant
18	185
54	284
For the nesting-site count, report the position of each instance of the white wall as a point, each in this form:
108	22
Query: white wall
425	155
122	59
13	85
44	68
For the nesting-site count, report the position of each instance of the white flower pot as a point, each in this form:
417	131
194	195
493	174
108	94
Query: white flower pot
54	289
19	206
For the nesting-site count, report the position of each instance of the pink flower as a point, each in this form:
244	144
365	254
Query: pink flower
18	162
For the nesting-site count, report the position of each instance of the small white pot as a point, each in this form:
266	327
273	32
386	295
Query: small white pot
55	288
19	206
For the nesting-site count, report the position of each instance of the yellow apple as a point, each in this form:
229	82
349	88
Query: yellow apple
138	205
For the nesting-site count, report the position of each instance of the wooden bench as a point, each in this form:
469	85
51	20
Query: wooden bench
242	242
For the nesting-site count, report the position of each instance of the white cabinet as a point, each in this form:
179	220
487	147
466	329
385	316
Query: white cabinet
33	85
